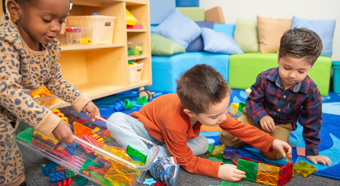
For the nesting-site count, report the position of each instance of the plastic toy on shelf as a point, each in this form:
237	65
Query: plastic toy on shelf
89	156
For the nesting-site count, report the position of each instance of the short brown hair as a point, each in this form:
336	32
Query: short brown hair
201	86
301	43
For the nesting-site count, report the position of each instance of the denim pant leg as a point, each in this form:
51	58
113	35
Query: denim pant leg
198	145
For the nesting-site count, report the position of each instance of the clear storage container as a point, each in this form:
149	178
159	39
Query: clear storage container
79	35
135	48
101	161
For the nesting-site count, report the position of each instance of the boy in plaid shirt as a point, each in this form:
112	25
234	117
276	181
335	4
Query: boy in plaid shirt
283	95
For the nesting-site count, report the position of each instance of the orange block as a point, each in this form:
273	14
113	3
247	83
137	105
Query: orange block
80	130
205	128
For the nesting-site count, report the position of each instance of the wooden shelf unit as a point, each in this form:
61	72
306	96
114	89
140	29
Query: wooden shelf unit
102	70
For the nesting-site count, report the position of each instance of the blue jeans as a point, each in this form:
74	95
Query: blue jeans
198	145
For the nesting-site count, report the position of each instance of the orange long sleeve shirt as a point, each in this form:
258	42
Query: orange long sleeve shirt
165	120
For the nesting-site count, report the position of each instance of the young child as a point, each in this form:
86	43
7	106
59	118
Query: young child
173	122
283	95
28	59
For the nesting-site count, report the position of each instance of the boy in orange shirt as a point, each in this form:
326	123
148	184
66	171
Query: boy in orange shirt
173	122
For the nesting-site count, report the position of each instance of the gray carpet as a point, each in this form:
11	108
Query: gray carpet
35	177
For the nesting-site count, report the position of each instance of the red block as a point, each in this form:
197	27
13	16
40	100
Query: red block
285	174
136	26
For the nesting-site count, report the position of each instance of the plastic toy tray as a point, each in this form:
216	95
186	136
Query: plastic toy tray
105	163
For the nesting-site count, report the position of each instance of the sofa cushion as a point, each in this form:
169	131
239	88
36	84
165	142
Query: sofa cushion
323	27
244	68
197	45
178	28
270	31
218	42
161	46
246	35
166	70
194	13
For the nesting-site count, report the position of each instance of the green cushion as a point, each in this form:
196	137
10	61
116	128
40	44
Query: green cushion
245	35
194	13
162	46
244	68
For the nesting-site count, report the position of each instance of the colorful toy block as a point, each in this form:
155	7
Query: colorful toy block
267	174
26	135
250	168
286	173
80	130
216	158
231	154
241	106
234	108
304	169
57	176
130	19
142	100
301	151
225	183
136	154
81	180
218	149
210	148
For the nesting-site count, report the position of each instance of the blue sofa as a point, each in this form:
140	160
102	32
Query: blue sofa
167	69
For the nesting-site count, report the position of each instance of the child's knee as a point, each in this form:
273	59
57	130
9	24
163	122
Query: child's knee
275	155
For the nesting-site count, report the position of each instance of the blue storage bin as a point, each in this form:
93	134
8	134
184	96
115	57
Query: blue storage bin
187	3
336	76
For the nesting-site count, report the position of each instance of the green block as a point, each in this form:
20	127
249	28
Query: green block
88	163
81	180
227	161
142	100
225	183
194	13
240	106
244	68
216	158
136	153
26	135
100	178
250	168
210	148
69	173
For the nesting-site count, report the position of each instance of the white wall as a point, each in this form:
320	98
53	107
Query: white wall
308	9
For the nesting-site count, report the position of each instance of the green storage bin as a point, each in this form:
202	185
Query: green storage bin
336	76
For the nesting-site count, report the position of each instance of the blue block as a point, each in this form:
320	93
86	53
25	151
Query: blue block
161	9
187	3
57	176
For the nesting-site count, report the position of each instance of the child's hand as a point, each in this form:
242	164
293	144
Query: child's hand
230	172
320	159
63	133
91	110
267	124
283	147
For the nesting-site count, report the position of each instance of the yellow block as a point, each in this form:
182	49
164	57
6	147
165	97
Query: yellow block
130	19
234	108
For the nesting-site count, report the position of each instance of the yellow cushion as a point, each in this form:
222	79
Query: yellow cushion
270	31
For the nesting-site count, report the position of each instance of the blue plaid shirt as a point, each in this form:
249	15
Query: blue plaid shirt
299	103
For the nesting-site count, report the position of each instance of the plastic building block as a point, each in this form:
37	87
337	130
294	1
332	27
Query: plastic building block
130	19
149	181
267	174
227	161
216	158
128	104
118	106
142	100
88	163
234	108
70	148
48	167
210	148
301	151
218	149
81	180
159	184
26	135
99	177
304	169
250	168
240	106
80	130
135	153
57	176
285	174
231	154
225	183
50	139
136	26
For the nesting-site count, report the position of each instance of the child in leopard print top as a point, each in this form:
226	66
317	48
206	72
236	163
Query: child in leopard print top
28	59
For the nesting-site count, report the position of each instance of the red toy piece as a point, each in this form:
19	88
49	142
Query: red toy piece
159	184
285	174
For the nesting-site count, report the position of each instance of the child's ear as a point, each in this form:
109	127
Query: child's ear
13	9
189	113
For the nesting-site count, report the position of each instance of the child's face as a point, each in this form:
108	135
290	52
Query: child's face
292	70
215	115
42	21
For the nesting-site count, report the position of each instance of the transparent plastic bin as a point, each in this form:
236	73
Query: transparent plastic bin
135	48
103	26
42	96
135	72
78	35
115	165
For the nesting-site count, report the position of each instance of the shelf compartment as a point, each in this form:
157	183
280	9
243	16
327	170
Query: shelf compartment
137	57
72	48
136	30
